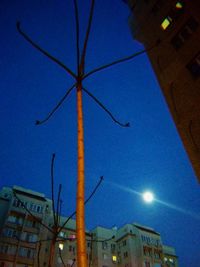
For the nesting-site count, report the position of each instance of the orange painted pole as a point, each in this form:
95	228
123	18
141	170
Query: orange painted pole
80	198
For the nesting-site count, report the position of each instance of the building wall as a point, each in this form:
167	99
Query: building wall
175	60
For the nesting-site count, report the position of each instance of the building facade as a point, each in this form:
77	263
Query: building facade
27	231
173	26
132	245
20	230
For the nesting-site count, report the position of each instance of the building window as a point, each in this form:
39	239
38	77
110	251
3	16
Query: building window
3	248
8	249
147	251
72	237
166	22
194	66
157	6
157	254
104	245
185	33
125	254
36	208
124	243
15	219
113	246
9	232
61	234
147	264
173	15
114	258
32	224
105	256
26	252
179	5
31	237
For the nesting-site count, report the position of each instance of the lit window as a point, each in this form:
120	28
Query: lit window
61	234
165	259
72	237
114	258
179	5
166	22
171	260
61	246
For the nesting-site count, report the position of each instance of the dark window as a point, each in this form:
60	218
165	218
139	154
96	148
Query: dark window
185	33
158	5
124	243
104	245
125	254
194	66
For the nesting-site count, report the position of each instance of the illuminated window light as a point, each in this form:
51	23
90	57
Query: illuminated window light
171	260
72	237
166	22
61	246
179	5
114	258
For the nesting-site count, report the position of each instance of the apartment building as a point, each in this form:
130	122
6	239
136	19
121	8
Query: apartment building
174	26
27	231
20	230
132	245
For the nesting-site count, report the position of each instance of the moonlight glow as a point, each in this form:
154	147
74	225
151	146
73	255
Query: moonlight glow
148	196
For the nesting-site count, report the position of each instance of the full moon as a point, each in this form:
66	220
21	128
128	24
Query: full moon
148	196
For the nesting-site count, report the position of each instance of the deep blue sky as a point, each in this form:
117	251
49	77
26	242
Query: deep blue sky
149	155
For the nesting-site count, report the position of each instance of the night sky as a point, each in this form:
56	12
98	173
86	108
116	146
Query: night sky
148	155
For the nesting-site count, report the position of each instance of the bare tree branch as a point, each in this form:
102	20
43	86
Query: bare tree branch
38	122
77	35
58	205
43	51
83	56
105	109
38	254
74	260
93	192
120	60
52	190
60	254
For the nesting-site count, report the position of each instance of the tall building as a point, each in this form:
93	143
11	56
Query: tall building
27	222
175	27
